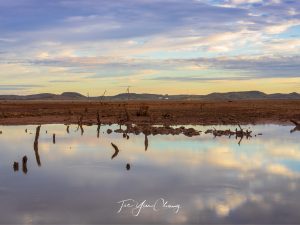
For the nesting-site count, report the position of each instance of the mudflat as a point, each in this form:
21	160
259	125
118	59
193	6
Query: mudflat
150	112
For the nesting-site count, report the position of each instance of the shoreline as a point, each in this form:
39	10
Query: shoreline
244	112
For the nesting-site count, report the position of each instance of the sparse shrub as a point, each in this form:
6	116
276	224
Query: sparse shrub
143	111
166	116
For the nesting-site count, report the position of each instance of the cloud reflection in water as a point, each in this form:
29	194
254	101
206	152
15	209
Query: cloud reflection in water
214	180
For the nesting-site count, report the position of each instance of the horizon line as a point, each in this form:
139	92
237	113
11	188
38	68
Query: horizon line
145	93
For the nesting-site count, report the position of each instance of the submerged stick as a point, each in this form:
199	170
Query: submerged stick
297	126
116	150
36	145
295	122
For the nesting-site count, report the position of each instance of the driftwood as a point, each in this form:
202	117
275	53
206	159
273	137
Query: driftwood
116	150
297	126
36	145
151	130
218	133
54	138
237	133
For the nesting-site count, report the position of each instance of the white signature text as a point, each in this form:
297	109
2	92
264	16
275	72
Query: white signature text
136	207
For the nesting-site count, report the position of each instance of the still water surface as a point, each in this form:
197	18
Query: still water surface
212	180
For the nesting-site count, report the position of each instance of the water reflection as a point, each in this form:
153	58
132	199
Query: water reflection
16	166
24	164
214	180
146	142
98	124
53	138
98	130
80	125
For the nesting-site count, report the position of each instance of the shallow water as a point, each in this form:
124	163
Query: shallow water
204	179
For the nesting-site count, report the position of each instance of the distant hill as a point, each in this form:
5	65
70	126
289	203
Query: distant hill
244	95
238	95
134	96
72	95
45	96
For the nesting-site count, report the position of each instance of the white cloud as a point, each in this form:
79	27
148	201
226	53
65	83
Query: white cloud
238	2
281	27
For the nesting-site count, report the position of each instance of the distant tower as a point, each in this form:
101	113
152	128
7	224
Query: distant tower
128	92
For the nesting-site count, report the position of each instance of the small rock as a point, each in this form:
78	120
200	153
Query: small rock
128	166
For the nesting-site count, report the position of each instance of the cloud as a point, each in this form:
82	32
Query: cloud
238	2
281	170
16	87
193	69
206	79
257	66
72	39
63	81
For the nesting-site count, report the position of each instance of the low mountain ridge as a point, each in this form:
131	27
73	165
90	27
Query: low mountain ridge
244	95
238	95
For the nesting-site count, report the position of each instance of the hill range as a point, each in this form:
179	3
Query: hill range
245	95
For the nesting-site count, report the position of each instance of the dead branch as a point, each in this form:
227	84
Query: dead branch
36	145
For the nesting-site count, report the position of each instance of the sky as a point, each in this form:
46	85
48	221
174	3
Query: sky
152	46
